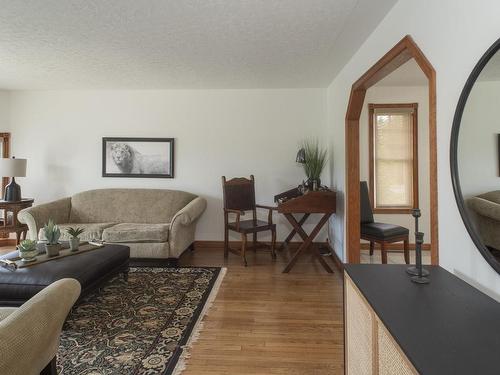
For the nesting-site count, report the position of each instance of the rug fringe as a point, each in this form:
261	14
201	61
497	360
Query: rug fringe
199	325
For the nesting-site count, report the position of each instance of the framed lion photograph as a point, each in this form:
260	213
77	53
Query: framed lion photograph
138	157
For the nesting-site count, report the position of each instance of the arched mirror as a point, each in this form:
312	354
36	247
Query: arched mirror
475	155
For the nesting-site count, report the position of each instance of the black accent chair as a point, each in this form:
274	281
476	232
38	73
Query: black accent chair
381	233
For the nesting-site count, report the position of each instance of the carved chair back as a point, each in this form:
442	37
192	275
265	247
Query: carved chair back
239	194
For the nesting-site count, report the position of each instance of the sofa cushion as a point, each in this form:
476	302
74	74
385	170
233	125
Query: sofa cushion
493	196
134	232
147	206
92	231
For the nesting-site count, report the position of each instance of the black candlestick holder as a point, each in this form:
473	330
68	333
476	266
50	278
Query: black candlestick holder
419	278
419	274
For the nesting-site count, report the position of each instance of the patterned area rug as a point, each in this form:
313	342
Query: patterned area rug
139	326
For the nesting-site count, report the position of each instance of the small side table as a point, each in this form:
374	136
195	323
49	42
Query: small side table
9	222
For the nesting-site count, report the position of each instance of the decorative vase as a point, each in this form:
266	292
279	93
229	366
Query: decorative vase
28	256
52	249
313	184
74	243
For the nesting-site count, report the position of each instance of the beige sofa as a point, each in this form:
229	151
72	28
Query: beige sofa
485	210
154	223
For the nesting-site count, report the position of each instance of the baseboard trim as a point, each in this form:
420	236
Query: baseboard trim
202	244
396	247
8	242
338	263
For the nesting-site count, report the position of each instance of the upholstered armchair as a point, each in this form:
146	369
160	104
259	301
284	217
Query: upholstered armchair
486	213
29	335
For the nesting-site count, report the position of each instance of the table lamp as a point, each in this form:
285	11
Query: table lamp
13	168
301	156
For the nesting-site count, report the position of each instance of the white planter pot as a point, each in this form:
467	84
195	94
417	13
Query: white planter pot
74	243
28	256
52	250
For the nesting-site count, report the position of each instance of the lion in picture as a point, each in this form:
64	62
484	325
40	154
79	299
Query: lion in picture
130	161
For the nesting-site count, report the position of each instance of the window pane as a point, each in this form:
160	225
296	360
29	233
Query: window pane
394	183
393	145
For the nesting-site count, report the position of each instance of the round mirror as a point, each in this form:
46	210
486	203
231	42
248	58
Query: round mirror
475	155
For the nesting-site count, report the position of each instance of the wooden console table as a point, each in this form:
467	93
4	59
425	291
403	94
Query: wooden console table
9	222
313	202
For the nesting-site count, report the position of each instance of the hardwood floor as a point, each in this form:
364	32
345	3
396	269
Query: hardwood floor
266	322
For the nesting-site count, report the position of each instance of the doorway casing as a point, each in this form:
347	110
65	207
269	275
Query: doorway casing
402	52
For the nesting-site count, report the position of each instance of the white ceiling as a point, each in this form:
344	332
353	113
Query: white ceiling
53	44
408	74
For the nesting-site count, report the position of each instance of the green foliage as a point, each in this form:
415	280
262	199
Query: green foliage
315	159
52	232
27	245
75	232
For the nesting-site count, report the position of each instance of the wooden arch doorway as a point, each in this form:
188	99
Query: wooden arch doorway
405	50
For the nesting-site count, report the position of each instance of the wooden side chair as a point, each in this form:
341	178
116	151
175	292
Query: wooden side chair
381	233
239	196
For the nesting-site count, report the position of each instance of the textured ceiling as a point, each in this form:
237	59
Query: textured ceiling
54	44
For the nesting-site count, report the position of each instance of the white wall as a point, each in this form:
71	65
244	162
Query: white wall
4	111
477	142
453	35
217	132
401	94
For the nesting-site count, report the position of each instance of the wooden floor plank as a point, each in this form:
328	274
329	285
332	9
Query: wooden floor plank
266	322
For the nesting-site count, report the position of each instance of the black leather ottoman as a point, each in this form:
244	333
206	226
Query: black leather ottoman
90	268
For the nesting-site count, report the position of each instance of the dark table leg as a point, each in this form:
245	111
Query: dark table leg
308	239
293	232
50	369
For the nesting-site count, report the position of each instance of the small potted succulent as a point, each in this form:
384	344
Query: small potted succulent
74	241
27	250
52	235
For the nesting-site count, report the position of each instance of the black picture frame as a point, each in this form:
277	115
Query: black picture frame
498	154
126	170
455	178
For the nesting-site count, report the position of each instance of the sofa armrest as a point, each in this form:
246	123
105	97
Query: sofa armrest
183	226
485	207
190	212
36	325
36	217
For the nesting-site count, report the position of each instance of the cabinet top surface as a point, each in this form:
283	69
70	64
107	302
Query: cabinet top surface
445	327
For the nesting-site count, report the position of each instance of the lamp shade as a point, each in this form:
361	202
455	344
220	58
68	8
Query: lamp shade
13	167
301	156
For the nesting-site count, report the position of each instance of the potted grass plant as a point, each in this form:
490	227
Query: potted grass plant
52	234
314	162
27	250
74	241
